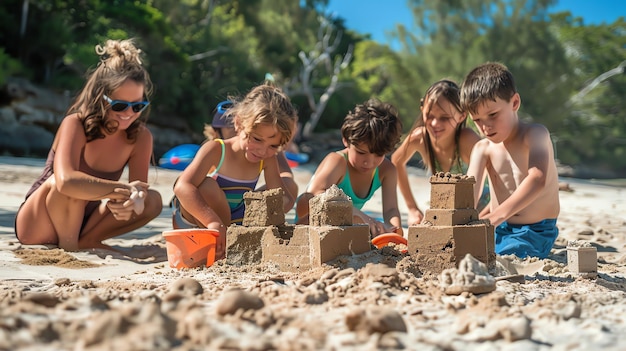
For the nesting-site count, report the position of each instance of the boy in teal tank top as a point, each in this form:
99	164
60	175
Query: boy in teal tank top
369	132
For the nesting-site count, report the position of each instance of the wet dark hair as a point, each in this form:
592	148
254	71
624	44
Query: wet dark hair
374	123
119	62
488	81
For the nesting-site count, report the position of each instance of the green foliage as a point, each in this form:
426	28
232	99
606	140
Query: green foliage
593	133
200	52
378	72
8	66
453	37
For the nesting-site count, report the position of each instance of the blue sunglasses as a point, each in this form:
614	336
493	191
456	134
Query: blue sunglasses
121	105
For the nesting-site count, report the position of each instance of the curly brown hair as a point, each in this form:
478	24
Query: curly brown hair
374	123
119	62
264	104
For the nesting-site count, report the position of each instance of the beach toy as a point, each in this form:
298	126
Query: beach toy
188	248
292	164
220	118
299	158
179	157
384	239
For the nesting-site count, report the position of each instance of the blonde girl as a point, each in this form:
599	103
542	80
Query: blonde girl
209	192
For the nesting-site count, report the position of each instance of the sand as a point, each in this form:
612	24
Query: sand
99	300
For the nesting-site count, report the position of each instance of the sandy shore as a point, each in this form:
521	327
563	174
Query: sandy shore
53	300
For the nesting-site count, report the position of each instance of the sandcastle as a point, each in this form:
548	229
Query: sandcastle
451	228
265	237
582	259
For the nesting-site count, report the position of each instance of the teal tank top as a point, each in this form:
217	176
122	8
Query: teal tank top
346	186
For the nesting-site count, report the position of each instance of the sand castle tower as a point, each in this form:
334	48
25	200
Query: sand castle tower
451	228
265	237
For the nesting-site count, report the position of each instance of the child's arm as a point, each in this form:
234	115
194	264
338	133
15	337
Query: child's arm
391	213
187	186
329	172
273	180
537	140
477	166
399	158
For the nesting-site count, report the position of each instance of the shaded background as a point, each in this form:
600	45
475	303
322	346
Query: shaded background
569	70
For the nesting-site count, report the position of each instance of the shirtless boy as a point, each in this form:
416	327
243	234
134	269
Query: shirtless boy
518	159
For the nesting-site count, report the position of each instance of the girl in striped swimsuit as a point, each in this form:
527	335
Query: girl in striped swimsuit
209	192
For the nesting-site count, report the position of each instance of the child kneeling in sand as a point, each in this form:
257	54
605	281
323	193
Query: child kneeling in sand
209	192
519	161
79	200
223	127
369	132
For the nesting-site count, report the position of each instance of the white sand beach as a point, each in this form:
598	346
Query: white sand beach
98	300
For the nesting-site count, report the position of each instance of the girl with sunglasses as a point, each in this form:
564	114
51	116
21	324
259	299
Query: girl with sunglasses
440	137
79	200
209	192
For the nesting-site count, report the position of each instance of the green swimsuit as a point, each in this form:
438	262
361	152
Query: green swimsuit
346	186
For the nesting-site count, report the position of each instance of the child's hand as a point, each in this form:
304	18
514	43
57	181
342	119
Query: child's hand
137	196
376	227
220	245
122	211
136	200
415	217
394	229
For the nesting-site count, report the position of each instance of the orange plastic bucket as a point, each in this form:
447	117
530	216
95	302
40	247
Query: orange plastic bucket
188	248
385	239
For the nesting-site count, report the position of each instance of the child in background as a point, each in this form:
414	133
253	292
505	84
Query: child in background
222	127
369	132
79	201
439	136
209	192
518	159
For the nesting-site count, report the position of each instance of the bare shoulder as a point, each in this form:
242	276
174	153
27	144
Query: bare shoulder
330	171
415	141
332	161
71	127
467	140
71	121
537	128
387	169
535	132
469	135
481	146
144	136
386	166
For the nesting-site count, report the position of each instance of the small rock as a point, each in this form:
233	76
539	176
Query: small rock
375	320
234	300
187	286
43	299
